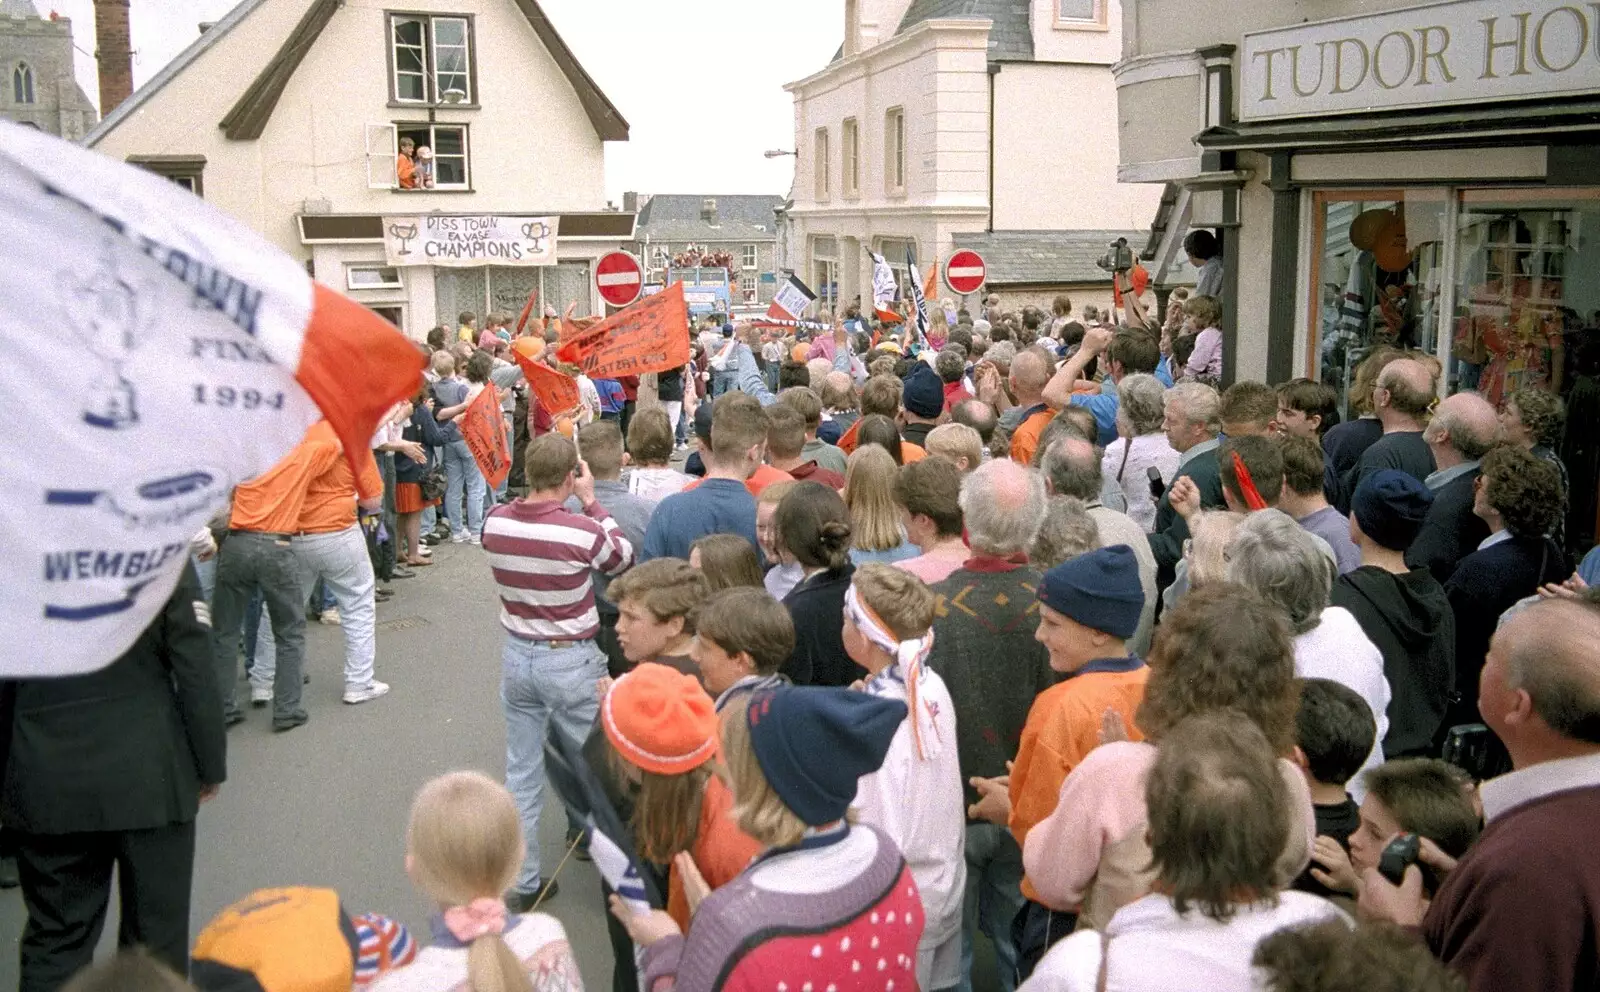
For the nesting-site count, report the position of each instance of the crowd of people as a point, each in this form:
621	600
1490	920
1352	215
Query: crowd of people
1014	629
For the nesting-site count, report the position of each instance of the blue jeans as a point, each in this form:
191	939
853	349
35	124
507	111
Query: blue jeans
544	690
993	899
461	471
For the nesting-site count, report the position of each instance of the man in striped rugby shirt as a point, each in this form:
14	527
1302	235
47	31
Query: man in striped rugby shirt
542	555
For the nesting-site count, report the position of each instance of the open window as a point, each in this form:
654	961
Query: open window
431	60
438	153
382	155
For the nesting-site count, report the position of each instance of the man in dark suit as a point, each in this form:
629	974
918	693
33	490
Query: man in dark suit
106	772
1193	416
1462	431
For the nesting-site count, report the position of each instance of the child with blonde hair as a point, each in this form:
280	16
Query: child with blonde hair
463	848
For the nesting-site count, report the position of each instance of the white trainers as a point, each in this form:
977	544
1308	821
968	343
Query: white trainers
474	539
329	616
366	693
260	695
459	537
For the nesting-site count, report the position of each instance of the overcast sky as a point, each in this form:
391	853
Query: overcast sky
714	76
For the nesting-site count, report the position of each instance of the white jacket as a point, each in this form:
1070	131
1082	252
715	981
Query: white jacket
538	941
919	802
1337	649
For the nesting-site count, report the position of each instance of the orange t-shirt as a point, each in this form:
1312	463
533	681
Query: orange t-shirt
760	479
908	452
312	489
1063	727
721	850
1025	439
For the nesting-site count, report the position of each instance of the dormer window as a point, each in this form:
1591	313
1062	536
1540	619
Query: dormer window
1081	14
430	60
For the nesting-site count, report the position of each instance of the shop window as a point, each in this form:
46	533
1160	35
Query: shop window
430	59
22	84
417	157
372	277
894	144
1377	275
850	147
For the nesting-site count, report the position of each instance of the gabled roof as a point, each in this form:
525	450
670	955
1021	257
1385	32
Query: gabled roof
676	217
249	116
1011	37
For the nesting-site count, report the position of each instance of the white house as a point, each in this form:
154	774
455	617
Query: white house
989	124
291	115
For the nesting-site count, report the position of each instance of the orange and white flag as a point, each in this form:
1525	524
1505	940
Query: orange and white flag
161	353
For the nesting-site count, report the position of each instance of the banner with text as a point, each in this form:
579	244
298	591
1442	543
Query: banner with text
556	391
483	427
649	336
469	241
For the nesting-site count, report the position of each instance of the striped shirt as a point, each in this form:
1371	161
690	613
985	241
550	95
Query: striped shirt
541	555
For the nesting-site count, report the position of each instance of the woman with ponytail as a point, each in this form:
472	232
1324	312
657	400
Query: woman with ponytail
814	526
463	848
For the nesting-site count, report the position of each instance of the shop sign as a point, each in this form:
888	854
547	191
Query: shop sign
469	241
1468	51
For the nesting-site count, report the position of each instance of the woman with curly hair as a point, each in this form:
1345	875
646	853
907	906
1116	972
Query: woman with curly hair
1223	647
1519	495
1534	419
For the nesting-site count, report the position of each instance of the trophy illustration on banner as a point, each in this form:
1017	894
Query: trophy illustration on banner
104	311
538	232
403	233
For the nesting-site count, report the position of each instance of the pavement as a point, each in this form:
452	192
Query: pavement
326	804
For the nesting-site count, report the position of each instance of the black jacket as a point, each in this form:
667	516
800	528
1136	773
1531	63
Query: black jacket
817	607
1166	541
1485	585
1409	618
1450	530
127	747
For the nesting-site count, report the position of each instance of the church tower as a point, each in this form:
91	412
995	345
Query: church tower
37	85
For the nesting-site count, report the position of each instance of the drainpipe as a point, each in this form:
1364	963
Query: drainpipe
994	70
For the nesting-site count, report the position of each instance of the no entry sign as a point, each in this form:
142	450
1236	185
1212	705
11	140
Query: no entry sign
964	272
619	278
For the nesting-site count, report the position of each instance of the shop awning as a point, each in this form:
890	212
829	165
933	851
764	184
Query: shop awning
1491	123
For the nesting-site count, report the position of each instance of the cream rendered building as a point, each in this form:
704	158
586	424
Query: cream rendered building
288	115
963	123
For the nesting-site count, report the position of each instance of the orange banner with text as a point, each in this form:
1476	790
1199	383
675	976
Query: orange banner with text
484	429
649	336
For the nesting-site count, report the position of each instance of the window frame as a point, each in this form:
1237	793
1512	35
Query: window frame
186	171
1098	22
850	157
391	130
352	268
24	89
750	257
430	74
749	286
821	177
894	150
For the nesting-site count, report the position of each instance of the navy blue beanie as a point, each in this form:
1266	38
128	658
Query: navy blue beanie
1389	505
1100	590
727	330
924	392
813	743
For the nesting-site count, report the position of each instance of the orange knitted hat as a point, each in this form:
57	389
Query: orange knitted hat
661	720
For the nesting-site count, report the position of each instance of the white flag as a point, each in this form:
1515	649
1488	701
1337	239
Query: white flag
154	353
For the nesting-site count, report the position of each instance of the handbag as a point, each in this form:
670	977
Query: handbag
432	485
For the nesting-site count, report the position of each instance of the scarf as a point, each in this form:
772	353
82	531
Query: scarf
909	657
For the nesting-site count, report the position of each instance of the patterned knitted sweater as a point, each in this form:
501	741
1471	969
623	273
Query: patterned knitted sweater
984	650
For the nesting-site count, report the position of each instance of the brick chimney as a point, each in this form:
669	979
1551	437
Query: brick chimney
114	53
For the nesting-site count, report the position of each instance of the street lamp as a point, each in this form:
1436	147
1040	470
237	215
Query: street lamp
778	153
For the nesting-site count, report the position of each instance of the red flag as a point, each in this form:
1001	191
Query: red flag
527	309
649	336
557	391
483	427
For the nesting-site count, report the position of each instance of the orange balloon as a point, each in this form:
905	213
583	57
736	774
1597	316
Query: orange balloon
798	353
530	348
563	426
1389	249
1364	229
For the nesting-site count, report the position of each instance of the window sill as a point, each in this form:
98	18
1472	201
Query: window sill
897	192
436	189
1082	26
417	105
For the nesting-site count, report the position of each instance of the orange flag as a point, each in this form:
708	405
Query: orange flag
557	391
649	336
483	427
527	309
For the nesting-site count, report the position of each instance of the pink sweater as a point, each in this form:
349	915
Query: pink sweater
1089	855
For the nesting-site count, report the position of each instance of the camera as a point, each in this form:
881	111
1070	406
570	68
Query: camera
1118	257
